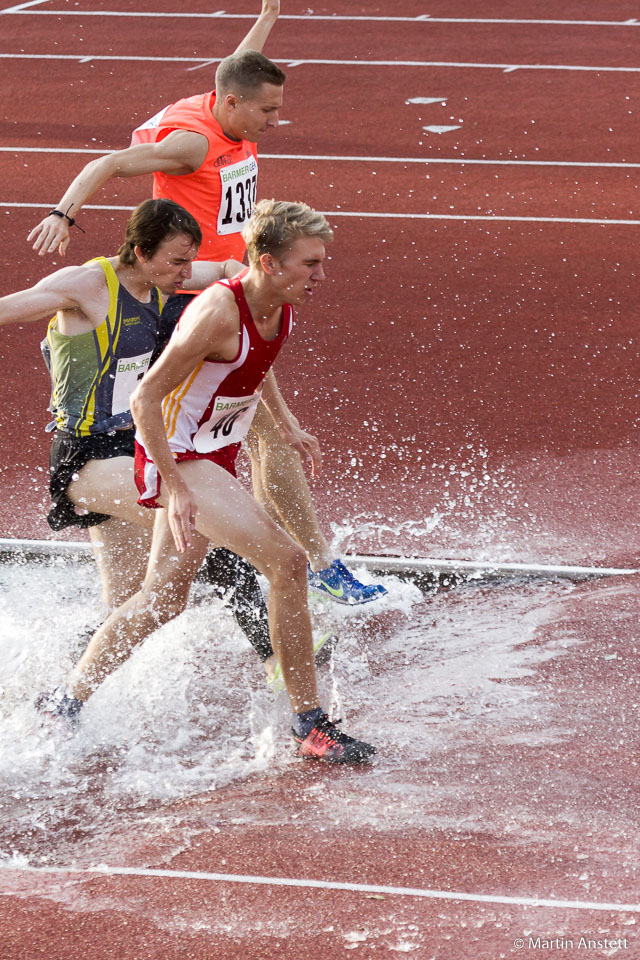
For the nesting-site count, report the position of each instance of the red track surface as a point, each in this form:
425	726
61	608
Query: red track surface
504	336
485	371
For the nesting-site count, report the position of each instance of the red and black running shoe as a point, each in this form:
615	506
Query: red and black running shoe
326	742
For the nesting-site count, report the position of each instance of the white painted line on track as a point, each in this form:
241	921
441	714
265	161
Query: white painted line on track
484	217
480	217
302	884
86	206
25	549
454	161
509	67
21	7
441	128
422	18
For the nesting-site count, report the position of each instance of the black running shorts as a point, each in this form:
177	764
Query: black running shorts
68	456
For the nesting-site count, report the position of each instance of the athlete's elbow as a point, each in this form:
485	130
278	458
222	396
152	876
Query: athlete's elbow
143	398
138	403
124	163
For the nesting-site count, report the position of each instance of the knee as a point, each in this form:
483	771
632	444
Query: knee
291	567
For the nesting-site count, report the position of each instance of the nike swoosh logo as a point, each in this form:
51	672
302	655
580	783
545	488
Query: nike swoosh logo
336	593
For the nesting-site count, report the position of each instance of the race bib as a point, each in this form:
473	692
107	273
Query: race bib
239	184
229	423
145	133
129	371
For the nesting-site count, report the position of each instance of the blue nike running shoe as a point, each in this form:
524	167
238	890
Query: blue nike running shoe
340	585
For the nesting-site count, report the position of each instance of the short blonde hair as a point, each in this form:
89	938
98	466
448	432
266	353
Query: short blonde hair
276	224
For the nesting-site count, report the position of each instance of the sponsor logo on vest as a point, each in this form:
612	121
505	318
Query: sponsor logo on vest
237	172
129	321
220	405
225	159
126	364
153	121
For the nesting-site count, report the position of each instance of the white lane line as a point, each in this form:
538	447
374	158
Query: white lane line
465	217
441	128
456	161
37	206
80	550
21	7
108	871
423	18
509	67
387	216
483	216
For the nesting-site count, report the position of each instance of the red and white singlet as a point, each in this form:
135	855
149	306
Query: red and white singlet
209	414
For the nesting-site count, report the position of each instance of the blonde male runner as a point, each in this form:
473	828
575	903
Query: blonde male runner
202	153
192	411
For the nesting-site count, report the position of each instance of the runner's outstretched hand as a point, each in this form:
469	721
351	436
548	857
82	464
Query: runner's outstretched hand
50	233
303	443
181	514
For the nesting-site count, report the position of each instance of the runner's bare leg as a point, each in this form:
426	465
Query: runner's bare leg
227	515
121	545
162	597
121	550
280	485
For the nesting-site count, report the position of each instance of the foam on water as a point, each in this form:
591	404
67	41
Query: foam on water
189	713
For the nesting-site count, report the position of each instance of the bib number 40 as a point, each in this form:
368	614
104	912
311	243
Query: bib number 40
224	426
229	423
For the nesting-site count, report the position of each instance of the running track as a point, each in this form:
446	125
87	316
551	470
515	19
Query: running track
474	356
479	314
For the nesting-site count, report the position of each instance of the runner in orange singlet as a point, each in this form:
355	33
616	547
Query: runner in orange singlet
222	191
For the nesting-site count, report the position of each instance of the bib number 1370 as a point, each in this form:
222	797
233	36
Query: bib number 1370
239	187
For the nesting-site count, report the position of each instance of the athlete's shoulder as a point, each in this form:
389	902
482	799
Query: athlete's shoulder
219	299
184	105
97	273
78	279
190	113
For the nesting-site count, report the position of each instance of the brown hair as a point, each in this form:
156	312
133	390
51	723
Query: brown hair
152	222
276	224
243	73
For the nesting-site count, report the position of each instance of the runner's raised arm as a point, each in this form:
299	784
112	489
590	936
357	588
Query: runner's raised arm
259	33
179	153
